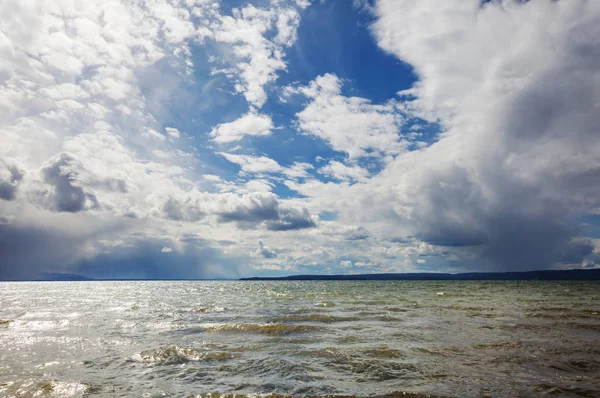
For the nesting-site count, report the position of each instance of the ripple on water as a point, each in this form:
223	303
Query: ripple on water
380	370
271	329
185	338
562	391
274	368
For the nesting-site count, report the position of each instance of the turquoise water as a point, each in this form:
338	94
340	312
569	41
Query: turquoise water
307	338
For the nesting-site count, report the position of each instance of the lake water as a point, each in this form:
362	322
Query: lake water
308	338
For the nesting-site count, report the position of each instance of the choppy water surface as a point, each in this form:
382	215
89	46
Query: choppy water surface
353	338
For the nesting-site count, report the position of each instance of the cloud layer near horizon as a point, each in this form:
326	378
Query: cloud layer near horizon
490	161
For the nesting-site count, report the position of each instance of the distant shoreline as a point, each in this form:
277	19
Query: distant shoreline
545	275
541	275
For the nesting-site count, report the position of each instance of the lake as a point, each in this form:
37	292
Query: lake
304	338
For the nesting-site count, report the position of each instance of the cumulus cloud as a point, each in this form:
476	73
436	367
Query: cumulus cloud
61	174
10	178
95	172
346	232
264	251
183	209
352	125
254	164
259	186
252	209
82	122
292	219
298	170
521	142
343	172
251	123
255	208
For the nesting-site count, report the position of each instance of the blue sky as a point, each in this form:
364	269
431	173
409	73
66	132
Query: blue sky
334	37
201	139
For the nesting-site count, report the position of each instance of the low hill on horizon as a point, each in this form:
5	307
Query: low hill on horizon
548	275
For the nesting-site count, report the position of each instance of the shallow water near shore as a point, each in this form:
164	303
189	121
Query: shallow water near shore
305	338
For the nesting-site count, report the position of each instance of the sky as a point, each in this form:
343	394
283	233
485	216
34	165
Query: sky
207	139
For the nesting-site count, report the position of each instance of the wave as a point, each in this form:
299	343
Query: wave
384	352
213	308
549	389
396	394
175	355
507	345
440	351
62	324
321	318
325	304
273	329
46	388
576	366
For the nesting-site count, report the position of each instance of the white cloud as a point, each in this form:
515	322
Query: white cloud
298	170
154	134
166	250
262	164
345	232
342	172
257	57
173	132
253	164
259	186
512	167
85	159
264	251
503	186
211	177
80	111
251	123
349	124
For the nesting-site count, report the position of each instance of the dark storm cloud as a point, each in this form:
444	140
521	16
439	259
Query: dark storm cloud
30	252
9	185
291	219
521	230
256	210
266	208
26	252
246	211
143	259
182	211
61	173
